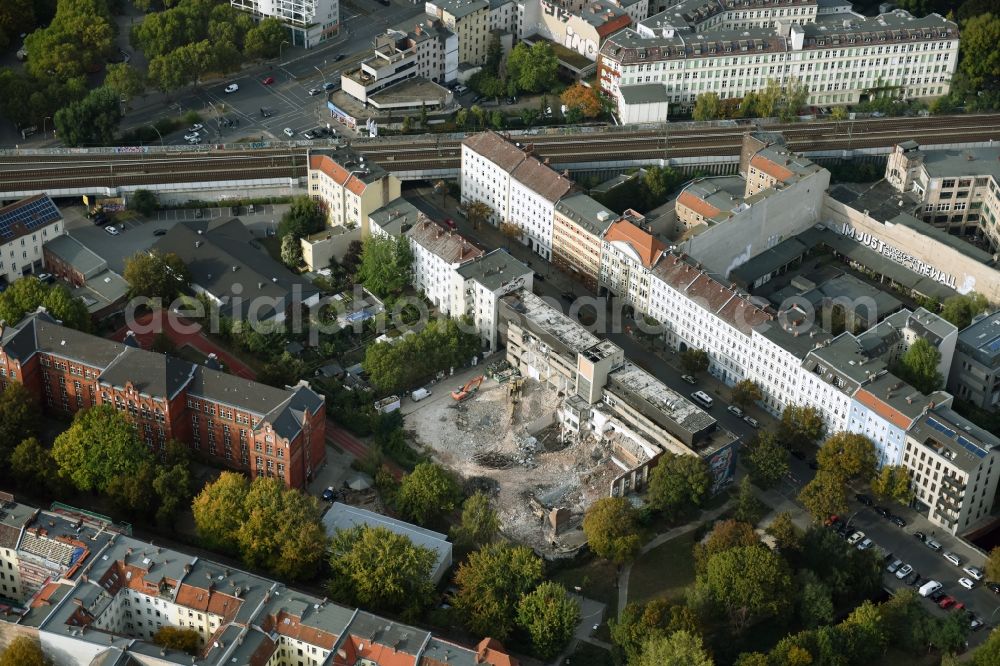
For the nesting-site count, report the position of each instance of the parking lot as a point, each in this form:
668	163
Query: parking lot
901	543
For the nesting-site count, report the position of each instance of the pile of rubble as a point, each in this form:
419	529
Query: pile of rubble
522	453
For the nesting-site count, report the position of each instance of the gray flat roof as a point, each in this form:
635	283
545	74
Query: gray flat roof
495	269
968	162
982	340
646	93
76	254
964	443
586	212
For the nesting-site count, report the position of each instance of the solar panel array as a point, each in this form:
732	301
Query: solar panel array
969	446
32	215
940	427
993	345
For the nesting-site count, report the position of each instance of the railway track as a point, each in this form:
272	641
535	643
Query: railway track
56	171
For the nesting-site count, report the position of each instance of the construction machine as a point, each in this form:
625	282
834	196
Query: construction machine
466	392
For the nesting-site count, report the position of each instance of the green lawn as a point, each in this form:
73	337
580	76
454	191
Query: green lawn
587	654
664	571
596	578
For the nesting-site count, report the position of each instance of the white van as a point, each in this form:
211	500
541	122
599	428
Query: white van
953	558
702	399
419	394
929	588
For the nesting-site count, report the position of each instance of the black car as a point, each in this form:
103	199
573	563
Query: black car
329	494
884	512
845	530
340	56
864	499
329	86
994	586
920	535
918	581
912	578
897	521
936	596
160	232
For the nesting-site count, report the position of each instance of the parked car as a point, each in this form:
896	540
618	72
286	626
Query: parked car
289	132
920	535
855	538
974	573
419	394
946	602
897	521
733	409
751	421
995	587
904	571
933	545
232	87
197	127
913	579
975	624
47	278
967	583
937	596
689	379
831	519
340	56
160	232
884	512
866	544
894	566
268	80
329	494
864	499
112	230
953	558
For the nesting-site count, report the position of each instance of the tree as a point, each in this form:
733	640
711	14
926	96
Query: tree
960	309
376	568
749	582
156	275
987	654
16	17
785	534
707	106
497	119
745	393
478	212
768	99
130	493
748	508
893	483
302	218
681	648
725	535
980	59
800	426
584	99
264	40
490	585
529	116
611	526
93	121
479	525
67	308
385	265
282	371
125	80
815	605
549	616
427	492
461	118
24	651
839	113
31	464
824	495
478	115
28	293
282	532
640	622
178	638
19	418
143	202
767	460
678	483
694	361
532	68
291	251
219	510
993	564
99	447
794	97
919	366
174	486
849	455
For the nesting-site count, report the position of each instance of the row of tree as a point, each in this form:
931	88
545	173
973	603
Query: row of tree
28	293
783	101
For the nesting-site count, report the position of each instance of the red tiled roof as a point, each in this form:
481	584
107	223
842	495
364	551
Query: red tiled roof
614	25
697	204
337	173
770	167
886	411
491	652
359	647
646	246
295	629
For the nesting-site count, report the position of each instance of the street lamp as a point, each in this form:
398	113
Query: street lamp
157	133
321	74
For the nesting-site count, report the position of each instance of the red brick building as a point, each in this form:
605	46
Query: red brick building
250	427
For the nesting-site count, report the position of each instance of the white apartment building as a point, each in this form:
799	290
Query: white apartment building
521	190
437	254
309	22
956	190
954	469
839	58
25	226
485	280
348	188
627	255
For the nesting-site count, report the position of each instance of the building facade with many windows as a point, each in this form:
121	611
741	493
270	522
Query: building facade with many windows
309	22
25	226
250	427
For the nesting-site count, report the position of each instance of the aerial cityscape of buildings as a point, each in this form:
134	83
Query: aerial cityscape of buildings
612	303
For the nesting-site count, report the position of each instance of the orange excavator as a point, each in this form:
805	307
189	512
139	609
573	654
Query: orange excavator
468	390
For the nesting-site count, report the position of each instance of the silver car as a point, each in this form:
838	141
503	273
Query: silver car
904	571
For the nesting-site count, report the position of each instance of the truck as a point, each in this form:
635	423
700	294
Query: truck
419	394
387	404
